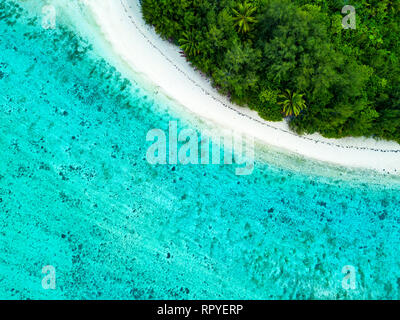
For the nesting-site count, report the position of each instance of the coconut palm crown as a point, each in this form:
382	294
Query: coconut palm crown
293	103
244	16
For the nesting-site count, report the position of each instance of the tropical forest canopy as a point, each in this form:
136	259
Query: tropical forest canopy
293	58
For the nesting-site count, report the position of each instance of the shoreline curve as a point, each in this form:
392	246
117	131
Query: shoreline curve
162	63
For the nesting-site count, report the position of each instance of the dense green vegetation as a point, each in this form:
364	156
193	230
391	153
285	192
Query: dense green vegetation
294	58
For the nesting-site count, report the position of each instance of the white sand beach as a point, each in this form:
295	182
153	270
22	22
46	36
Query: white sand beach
161	63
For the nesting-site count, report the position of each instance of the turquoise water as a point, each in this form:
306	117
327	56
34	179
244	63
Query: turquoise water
77	193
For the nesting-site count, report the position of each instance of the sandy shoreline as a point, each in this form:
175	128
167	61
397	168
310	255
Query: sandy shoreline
161	63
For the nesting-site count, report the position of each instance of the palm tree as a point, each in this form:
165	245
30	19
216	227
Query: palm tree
293	103
244	16
188	43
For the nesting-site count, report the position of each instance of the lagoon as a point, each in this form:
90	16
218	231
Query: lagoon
77	193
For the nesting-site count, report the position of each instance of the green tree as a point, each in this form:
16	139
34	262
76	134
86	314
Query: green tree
293	103
189	44
244	16
254	49
268	107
